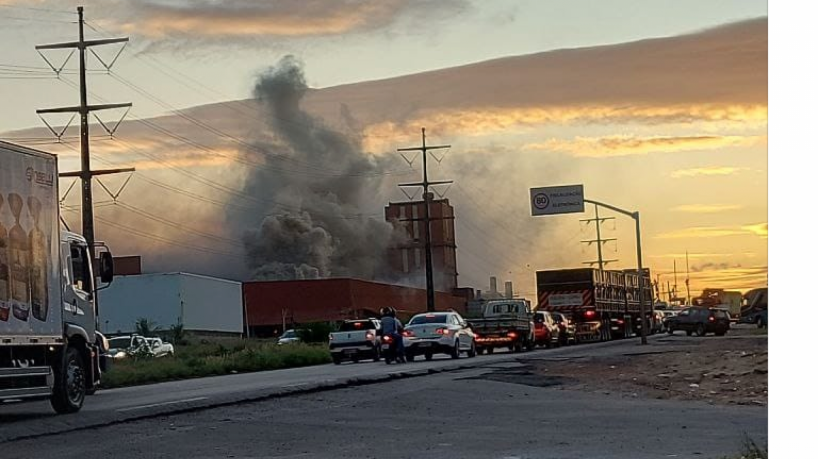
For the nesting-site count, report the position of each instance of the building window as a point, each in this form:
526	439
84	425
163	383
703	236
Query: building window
417	258
405	258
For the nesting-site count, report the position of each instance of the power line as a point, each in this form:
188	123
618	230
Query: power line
40	10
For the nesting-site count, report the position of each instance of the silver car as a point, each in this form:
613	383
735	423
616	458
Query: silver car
438	333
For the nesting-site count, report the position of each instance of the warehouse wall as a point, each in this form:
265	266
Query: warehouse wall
154	296
200	303
211	304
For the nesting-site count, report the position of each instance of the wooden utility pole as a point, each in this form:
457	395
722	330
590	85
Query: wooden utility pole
430	281
85	174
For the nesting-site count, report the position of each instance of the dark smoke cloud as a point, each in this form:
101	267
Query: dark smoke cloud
316	219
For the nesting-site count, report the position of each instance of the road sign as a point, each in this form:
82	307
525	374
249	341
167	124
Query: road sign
553	200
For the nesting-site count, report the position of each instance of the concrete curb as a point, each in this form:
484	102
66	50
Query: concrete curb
69	423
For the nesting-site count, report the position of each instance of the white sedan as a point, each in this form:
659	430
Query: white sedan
438	333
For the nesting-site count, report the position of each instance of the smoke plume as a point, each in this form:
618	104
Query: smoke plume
308	219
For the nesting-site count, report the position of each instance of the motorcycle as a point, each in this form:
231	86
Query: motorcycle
389	350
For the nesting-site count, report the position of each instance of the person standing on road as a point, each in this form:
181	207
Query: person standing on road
393	327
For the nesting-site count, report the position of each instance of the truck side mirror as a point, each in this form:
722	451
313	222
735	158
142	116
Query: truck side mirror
106	267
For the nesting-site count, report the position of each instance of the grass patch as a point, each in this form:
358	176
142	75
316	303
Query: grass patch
213	359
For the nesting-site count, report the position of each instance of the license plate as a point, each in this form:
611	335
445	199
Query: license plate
385	346
424	344
349	351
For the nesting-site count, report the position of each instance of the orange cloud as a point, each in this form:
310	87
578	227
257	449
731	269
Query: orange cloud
223	19
706	171
759	229
626	145
706	208
715	231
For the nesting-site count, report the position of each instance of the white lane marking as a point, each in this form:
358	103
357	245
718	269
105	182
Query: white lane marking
140	407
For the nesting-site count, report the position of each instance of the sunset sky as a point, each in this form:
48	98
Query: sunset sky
655	106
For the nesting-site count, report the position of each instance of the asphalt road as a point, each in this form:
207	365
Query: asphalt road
117	405
452	415
455	413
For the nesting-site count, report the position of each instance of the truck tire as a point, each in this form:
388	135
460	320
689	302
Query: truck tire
69	383
490	350
336	359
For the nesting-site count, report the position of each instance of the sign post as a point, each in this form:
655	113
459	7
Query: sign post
553	200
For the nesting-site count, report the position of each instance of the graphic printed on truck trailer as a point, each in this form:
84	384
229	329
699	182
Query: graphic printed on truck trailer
28	245
565	300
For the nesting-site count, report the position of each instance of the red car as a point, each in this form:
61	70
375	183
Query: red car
546	331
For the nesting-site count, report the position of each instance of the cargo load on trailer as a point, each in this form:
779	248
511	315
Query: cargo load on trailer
604	305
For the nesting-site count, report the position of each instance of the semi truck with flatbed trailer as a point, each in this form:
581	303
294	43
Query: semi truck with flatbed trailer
604	305
49	344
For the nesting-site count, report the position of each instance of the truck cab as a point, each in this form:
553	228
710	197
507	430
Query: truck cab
67	365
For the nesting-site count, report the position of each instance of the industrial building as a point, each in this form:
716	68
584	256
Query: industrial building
273	306
407	259
200	303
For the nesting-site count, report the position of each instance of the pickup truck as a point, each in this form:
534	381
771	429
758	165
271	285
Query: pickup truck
356	339
504	323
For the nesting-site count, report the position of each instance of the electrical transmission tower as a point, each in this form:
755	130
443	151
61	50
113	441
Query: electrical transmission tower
599	241
85	173
430	277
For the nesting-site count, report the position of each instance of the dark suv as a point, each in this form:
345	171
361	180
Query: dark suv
700	320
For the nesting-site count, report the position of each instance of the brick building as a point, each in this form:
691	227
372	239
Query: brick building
408	259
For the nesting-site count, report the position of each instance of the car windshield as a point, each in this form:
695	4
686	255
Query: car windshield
289	334
119	343
357	325
428	319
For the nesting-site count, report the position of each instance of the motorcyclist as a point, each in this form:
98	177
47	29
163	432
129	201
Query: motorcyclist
393	327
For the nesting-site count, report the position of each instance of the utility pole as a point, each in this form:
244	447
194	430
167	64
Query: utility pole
687	276
430	281
675	282
599	240
85	174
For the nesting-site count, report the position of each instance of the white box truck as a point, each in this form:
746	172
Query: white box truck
49	344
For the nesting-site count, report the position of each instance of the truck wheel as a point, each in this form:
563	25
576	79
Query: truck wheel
689	332
490	350
69	383
336	359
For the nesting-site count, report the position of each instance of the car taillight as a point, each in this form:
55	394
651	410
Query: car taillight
512	334
370	336
476	335
387	339
442	331
408	333
589	314
619	321
711	319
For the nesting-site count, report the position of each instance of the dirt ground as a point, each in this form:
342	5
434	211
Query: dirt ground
717	370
